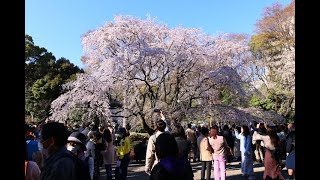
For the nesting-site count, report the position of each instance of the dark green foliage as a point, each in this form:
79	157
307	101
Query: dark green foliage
275	102
44	76
263	103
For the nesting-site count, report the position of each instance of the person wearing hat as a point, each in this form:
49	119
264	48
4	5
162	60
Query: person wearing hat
77	146
123	148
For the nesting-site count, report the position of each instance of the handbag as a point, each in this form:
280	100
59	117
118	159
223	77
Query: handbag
227	150
210	147
228	154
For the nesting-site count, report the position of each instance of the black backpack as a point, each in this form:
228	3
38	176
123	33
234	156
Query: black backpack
82	168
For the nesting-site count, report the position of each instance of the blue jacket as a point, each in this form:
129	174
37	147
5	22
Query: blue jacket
32	146
245	143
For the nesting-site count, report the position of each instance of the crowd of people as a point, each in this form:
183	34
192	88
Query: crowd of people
217	146
56	151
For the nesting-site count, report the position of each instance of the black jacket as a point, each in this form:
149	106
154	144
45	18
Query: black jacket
180	171
290	143
59	165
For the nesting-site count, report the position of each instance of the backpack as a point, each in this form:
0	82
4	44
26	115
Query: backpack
82	168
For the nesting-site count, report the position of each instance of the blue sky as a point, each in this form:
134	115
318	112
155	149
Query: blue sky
57	25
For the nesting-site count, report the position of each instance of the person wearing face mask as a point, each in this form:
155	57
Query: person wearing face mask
76	145
59	162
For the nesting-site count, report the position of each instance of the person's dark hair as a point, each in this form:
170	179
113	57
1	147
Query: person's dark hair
199	128
144	141
255	123
246	130
108	135
30	136
32	128
204	131
272	133
161	125
215	127
262	130
122	131
189	125
178	131
226	128
166	146
238	128
57	131
97	135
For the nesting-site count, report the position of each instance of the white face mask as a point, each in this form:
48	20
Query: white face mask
73	149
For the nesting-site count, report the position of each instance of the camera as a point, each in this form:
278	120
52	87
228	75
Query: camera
156	110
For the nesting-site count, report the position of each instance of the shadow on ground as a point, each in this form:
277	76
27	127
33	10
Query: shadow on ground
258	176
136	171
